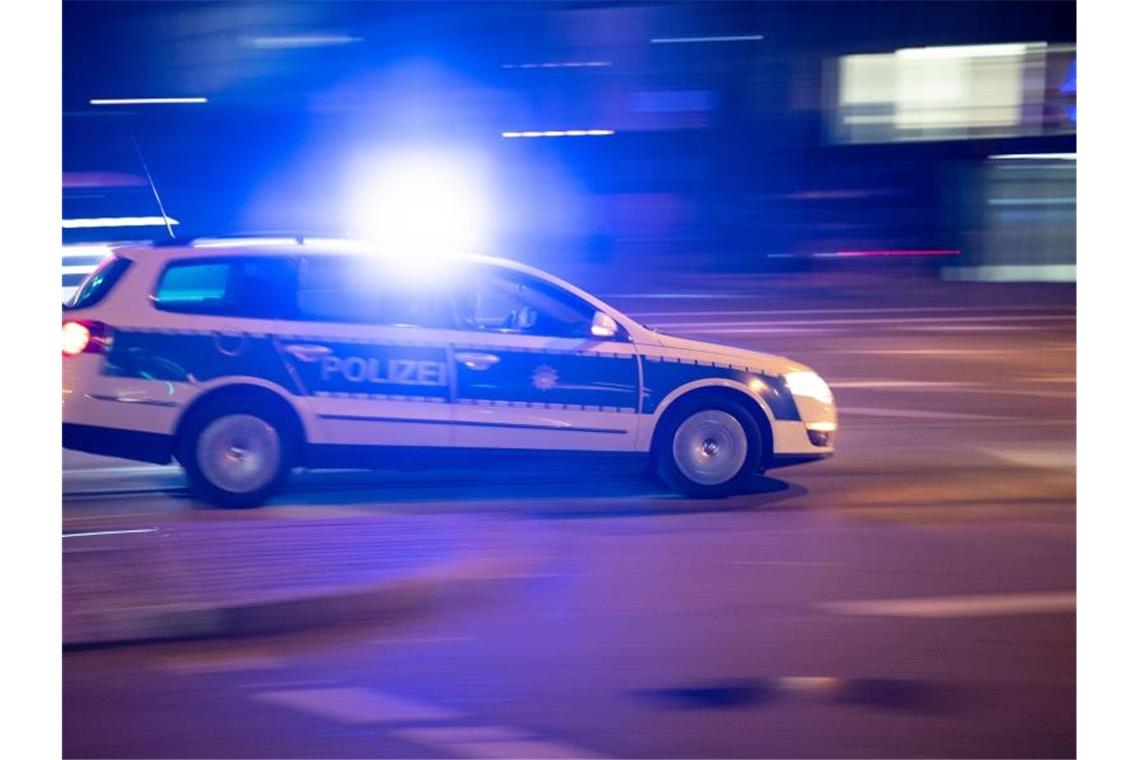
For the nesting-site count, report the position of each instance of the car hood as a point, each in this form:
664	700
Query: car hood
688	349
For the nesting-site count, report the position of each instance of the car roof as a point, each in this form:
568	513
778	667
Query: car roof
296	246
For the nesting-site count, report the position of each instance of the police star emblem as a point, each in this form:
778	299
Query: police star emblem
545	377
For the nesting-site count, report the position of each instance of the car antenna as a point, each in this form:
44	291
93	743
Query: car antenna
153	189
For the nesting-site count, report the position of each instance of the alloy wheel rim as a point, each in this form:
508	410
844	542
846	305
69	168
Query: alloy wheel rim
239	453
710	447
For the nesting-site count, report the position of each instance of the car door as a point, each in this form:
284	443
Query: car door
530	375
370	354
211	322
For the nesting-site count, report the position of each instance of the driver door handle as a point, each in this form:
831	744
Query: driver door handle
476	361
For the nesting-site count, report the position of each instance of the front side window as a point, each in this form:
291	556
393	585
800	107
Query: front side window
356	289
500	300
253	287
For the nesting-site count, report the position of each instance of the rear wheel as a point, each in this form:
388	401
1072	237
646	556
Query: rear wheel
709	448
235	453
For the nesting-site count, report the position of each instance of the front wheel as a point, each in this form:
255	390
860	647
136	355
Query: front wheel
708	449
235	456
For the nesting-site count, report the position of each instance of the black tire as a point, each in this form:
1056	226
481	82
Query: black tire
235	411
673	473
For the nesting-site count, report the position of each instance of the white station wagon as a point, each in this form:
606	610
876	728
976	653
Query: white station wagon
245	359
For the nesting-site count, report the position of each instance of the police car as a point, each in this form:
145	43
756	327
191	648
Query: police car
245	360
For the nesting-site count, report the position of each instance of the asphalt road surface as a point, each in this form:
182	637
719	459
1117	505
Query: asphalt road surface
914	596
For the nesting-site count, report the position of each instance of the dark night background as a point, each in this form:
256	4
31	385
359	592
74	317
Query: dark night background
721	150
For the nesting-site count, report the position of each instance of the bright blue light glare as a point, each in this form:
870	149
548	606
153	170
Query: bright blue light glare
1069	86
421	206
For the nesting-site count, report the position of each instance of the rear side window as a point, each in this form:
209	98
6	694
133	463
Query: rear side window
253	287
99	283
195	284
360	290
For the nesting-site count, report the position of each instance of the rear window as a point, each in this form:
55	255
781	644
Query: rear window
99	283
254	287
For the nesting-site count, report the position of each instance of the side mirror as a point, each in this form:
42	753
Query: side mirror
603	326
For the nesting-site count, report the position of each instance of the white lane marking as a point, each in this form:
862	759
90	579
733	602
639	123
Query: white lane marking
153	469
951	351
204	665
788	563
489	742
436	735
873	321
918	414
425	640
975	328
318	512
960	606
83	521
518	750
1071	379
361	706
894	310
355	706
108	532
281	684
1016	392
942	386
1064	458
769	329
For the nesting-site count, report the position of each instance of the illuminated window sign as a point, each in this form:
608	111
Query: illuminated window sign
954	93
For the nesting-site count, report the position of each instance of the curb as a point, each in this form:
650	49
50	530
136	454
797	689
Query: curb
316	608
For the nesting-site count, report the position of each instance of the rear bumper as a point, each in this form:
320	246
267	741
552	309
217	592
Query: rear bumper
115	442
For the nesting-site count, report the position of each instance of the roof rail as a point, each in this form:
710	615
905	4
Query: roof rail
298	237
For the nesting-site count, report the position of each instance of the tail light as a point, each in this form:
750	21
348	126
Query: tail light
85	336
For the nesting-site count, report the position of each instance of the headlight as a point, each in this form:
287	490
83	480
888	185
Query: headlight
809	385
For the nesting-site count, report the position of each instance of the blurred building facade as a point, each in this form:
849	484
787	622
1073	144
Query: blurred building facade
734	136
